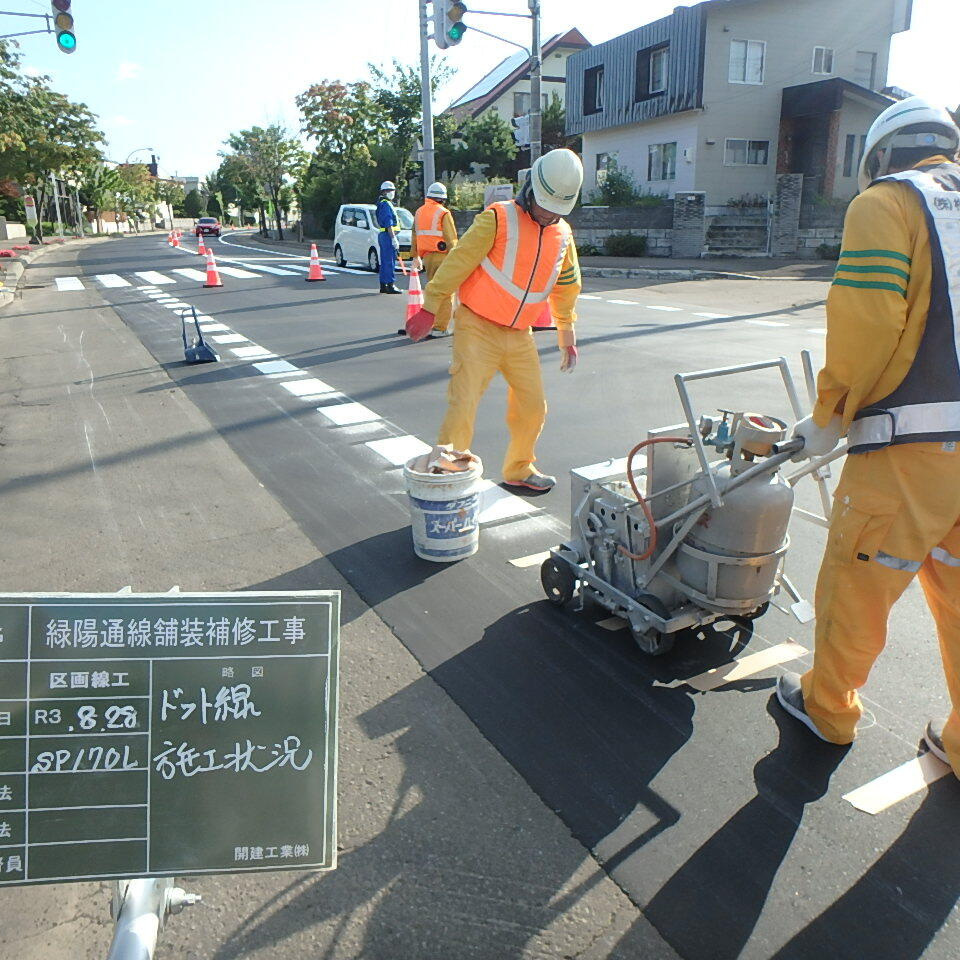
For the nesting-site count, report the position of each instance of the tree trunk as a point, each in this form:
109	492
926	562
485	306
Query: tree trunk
276	214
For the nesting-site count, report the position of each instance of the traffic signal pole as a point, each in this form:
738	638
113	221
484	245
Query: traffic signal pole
536	68
426	97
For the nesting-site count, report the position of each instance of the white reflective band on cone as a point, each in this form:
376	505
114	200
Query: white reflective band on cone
942	556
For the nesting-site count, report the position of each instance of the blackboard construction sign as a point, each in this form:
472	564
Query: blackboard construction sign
167	734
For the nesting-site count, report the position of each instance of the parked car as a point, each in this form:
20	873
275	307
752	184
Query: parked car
208	226
355	235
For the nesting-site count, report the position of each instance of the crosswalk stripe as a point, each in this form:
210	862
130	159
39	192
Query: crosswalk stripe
68	283
111	280
668	309
253	352
346	414
238	273
307	388
278	368
276	270
398	450
767	323
497	504
151	276
533	560
190	273
624	303
230	338
713	316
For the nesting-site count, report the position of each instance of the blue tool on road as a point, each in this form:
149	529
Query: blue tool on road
199	351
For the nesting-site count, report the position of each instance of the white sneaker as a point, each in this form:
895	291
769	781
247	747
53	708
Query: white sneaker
790	696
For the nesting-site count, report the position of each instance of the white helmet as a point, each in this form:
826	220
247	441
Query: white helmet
387	185
437	191
556	178
912	123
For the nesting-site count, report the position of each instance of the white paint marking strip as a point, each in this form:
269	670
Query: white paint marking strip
298	266
821	330
766	323
177	305
898	784
151	276
497	504
713	316
249	353
111	280
237	272
307	388
589	296
612	624
146	288
343	414
534	560
398	450
668	309
190	273
747	666
625	303
69	283
277	366
211	326
230	338
276	270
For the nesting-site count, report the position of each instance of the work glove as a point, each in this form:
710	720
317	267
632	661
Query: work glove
567	341
420	324
396	242
817	441
418	264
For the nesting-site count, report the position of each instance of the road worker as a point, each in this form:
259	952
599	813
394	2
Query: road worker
891	383
517	257
388	241
434	236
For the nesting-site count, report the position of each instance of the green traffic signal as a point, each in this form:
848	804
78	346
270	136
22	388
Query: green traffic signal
456	32
66	41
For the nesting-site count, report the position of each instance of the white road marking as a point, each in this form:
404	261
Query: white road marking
821	330
748	666
343	414
111	280
190	273
613	624
533	560
767	323
398	450
147	288
177	305
625	303
298	266
230	338
211	326
497	504
243	246
651	306
713	316
589	296
276	270
277	368
251	352
238	273
151	276
897	784
69	283
307	388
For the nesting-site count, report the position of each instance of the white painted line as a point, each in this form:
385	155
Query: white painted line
111	280
306	388
177	305
747	666
897	784
238	273
68	283
626	303
766	323
151	276
398	450
190	273
230	338
589	296
276	270
497	504
667	309
275	367
252	352
613	624
211	326
164	300
821	330
343	414
713	316
298	266
243	246
146	288
533	560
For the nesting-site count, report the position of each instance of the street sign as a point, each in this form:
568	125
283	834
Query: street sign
30	209
167	734
493	192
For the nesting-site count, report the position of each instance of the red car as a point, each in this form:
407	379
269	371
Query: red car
208	226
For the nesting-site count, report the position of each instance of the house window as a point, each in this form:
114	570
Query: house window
740	153
865	69
653	64
823	61
747	61
662	161
521	104
592	90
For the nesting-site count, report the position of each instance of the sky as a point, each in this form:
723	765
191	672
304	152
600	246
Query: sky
180	76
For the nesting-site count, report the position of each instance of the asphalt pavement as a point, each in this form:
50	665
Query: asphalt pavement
723	821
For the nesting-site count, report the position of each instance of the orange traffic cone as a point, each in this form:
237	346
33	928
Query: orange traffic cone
170	238
201	249
213	277
414	295
175	242
316	271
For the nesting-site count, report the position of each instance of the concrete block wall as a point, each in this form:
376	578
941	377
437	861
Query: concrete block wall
689	223
11	231
786	215
809	239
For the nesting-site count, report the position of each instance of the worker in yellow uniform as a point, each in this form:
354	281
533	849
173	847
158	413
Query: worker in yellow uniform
891	383
434	236
517	259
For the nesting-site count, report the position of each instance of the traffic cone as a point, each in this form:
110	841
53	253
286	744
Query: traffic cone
201	249
175	242
414	295
213	277
316	271
170	238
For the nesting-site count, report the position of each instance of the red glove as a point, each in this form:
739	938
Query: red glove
569	360
419	325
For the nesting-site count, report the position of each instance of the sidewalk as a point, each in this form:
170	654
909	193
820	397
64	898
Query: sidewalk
109	476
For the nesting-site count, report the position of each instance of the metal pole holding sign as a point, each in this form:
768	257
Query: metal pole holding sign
426	98
536	68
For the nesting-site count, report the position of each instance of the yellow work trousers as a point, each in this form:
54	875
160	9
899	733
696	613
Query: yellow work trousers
482	348
896	514
432	263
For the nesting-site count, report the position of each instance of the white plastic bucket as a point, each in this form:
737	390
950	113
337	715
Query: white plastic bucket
444	511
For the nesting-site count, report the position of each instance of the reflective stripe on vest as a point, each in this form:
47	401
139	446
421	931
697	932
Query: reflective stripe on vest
925	407
514	280
427	224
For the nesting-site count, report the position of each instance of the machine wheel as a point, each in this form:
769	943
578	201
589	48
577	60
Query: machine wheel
373	260
559	581
652	642
338	254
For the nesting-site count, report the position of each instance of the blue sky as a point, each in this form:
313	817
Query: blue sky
179	76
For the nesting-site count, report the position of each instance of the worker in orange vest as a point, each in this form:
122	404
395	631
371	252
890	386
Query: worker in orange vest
517	259
434	236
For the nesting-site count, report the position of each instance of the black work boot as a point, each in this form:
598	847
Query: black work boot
390	288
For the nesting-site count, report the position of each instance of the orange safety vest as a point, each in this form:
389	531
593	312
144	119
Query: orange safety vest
427	222
513	281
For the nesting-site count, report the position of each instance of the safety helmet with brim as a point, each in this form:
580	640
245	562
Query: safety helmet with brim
555	179
437	191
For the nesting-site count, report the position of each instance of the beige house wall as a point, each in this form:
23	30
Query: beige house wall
555	65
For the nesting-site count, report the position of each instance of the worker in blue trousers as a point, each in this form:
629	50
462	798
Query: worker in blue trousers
387	239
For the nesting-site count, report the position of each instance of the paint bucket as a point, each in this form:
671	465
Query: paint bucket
444	511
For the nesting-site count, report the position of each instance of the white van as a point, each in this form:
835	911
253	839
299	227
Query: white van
355	235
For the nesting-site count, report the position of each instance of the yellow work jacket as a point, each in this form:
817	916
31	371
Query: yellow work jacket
433	223
473	248
878	302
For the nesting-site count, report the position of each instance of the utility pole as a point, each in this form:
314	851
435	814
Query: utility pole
426	98
56	203
536	67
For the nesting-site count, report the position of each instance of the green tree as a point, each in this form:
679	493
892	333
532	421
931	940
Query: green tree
553	127
451	154
169	192
99	185
194	205
490	143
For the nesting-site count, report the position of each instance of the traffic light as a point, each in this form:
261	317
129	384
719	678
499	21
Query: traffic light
448	25
521	130
63	25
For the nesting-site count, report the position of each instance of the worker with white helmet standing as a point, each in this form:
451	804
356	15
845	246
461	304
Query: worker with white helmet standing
388	243
891	383
517	259
434	236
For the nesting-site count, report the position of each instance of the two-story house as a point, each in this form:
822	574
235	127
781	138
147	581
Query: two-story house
722	96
